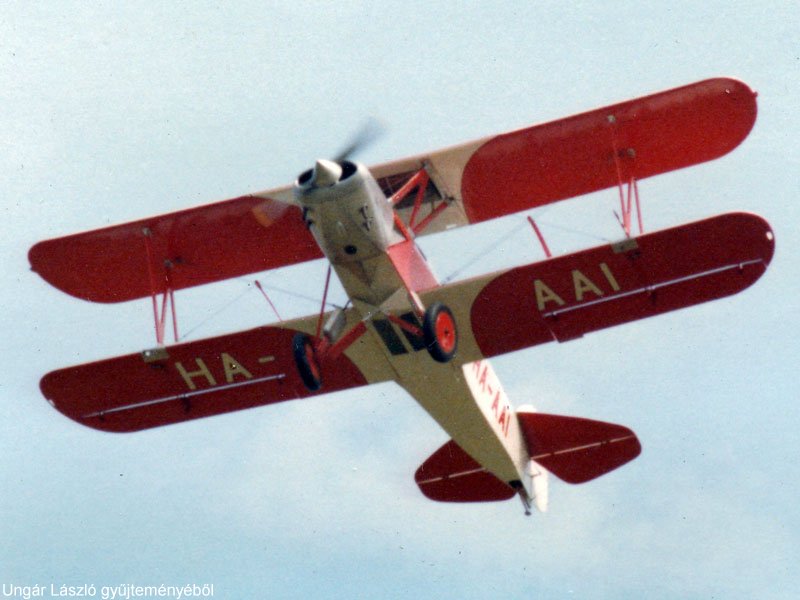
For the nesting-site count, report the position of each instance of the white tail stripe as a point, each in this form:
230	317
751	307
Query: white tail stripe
584	447
452	476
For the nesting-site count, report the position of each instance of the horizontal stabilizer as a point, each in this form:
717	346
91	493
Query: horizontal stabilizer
577	450
452	475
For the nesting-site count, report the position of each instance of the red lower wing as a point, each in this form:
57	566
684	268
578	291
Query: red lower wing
189	381
566	297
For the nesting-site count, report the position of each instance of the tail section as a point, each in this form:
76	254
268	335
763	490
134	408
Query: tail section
574	449
452	475
539	485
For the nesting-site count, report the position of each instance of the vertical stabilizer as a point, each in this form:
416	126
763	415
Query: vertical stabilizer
539	485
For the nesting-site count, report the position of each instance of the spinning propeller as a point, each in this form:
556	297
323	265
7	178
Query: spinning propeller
325	173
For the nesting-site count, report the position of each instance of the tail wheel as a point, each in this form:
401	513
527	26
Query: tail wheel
305	356
441	335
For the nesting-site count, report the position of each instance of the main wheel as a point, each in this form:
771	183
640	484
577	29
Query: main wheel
305	356
441	335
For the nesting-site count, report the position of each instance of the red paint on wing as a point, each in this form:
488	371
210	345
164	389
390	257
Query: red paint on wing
230	372
200	245
452	475
614	284
591	151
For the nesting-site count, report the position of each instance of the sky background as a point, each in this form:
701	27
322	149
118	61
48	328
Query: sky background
114	111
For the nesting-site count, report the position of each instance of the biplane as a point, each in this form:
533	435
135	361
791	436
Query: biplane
401	324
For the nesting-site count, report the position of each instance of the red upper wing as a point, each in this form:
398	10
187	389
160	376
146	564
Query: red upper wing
486	179
177	250
595	150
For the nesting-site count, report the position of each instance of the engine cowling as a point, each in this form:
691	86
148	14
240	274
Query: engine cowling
326	173
346	210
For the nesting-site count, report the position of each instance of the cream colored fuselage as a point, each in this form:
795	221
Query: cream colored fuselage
353	223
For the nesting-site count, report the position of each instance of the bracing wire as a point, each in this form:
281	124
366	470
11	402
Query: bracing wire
251	286
585	234
485	250
311	299
213	315
491	247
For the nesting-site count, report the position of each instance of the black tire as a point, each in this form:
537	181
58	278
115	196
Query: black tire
305	357
441	333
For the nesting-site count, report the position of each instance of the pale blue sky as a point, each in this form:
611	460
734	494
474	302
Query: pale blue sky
112	111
